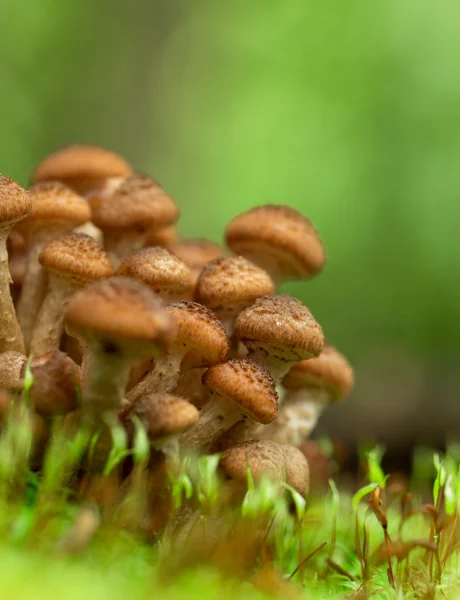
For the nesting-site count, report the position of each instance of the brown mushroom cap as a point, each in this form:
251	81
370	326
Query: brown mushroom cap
330	371
138	202
277	238
298	472
247	384
263	457
120	310
15	202
76	257
283	324
232	282
164	237
200	331
55	204
196	253
160	270
164	414
80	166
318	462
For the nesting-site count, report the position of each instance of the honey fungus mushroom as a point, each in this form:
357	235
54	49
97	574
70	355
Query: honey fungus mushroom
117	320
82	167
196	254
127	213
56	210
227	285
200	341
279	239
240	390
56	380
71	262
310	386
15	205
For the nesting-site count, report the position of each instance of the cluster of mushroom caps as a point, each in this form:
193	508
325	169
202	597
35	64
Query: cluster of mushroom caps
97	285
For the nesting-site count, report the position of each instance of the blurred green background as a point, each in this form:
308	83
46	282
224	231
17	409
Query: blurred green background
348	111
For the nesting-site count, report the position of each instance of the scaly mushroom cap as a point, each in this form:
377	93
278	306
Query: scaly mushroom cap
76	257
160	270
279	239
247	384
330	371
232	282
263	457
120	311
281	325
56	377
56	382
15	202
55	204
81	167
164	237
163	414
200	331
298	471
138	202
197	252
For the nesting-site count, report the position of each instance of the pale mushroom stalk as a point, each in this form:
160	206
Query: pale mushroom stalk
49	325
11	336
119	246
277	368
162	378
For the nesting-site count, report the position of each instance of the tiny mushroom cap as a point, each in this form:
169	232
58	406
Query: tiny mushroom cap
262	457
138	202
81	166
280	325
247	384
319	463
232	283
117	311
56	379
196	253
200	331
278	239
298	472
163	415
329	371
55	206
77	258
15	203
169	277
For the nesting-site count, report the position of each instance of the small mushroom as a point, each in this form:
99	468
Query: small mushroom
15	205
56	379
263	458
196	254
90	229
117	320
164	237
319	464
278	332
200	341
56	210
81	166
127	214
17	257
168	276
227	285
279	239
240	389
71	262
164	418
310	386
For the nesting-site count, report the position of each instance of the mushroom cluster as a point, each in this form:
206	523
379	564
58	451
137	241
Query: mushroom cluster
188	338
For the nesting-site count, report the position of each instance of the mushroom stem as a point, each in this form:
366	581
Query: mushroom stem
297	417
10	331
119	246
276	367
216	418
49	325
163	377
106	376
32	293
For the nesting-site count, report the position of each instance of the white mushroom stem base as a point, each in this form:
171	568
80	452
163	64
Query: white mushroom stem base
105	379
162	378
297	417
10	332
277	367
49	325
216	418
119	245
